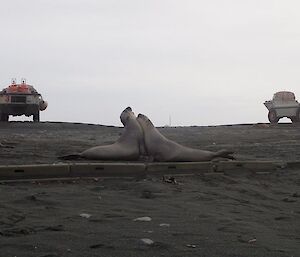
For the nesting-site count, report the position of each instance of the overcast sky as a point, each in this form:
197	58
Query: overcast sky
202	62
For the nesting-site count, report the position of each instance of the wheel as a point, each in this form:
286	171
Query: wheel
297	118
36	117
4	117
273	116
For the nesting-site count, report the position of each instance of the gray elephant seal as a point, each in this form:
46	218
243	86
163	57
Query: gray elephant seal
128	147
164	150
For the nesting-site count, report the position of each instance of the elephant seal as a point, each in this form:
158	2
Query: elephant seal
128	147
161	149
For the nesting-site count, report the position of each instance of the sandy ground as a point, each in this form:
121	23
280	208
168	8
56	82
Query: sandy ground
219	215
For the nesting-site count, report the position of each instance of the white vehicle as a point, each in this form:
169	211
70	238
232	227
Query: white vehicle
283	104
21	99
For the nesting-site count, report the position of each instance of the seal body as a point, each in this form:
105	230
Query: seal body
128	147
164	150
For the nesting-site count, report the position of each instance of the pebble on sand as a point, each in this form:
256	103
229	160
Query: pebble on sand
164	225
147	241
143	219
85	215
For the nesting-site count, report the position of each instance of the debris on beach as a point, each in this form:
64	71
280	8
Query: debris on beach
170	180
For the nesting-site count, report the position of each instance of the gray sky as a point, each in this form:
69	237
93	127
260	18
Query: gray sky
202	62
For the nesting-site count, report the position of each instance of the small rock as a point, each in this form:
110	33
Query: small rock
164	225
147	241
85	215
147	194
191	246
289	200
96	246
171	180
251	241
55	228
32	197
6	146
281	218
143	219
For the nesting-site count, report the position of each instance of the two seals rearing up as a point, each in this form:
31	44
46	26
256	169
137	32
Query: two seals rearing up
128	147
141	138
162	149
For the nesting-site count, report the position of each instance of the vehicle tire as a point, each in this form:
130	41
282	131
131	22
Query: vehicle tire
4	117
272	116
36	117
294	119
297	118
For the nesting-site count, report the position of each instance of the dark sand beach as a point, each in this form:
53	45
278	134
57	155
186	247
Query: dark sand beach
233	215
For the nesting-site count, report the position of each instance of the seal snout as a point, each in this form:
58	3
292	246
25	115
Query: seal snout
128	109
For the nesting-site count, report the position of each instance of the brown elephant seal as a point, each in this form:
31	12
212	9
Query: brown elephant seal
164	150
128	147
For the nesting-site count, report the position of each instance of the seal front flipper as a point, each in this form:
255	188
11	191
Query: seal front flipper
225	154
70	157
